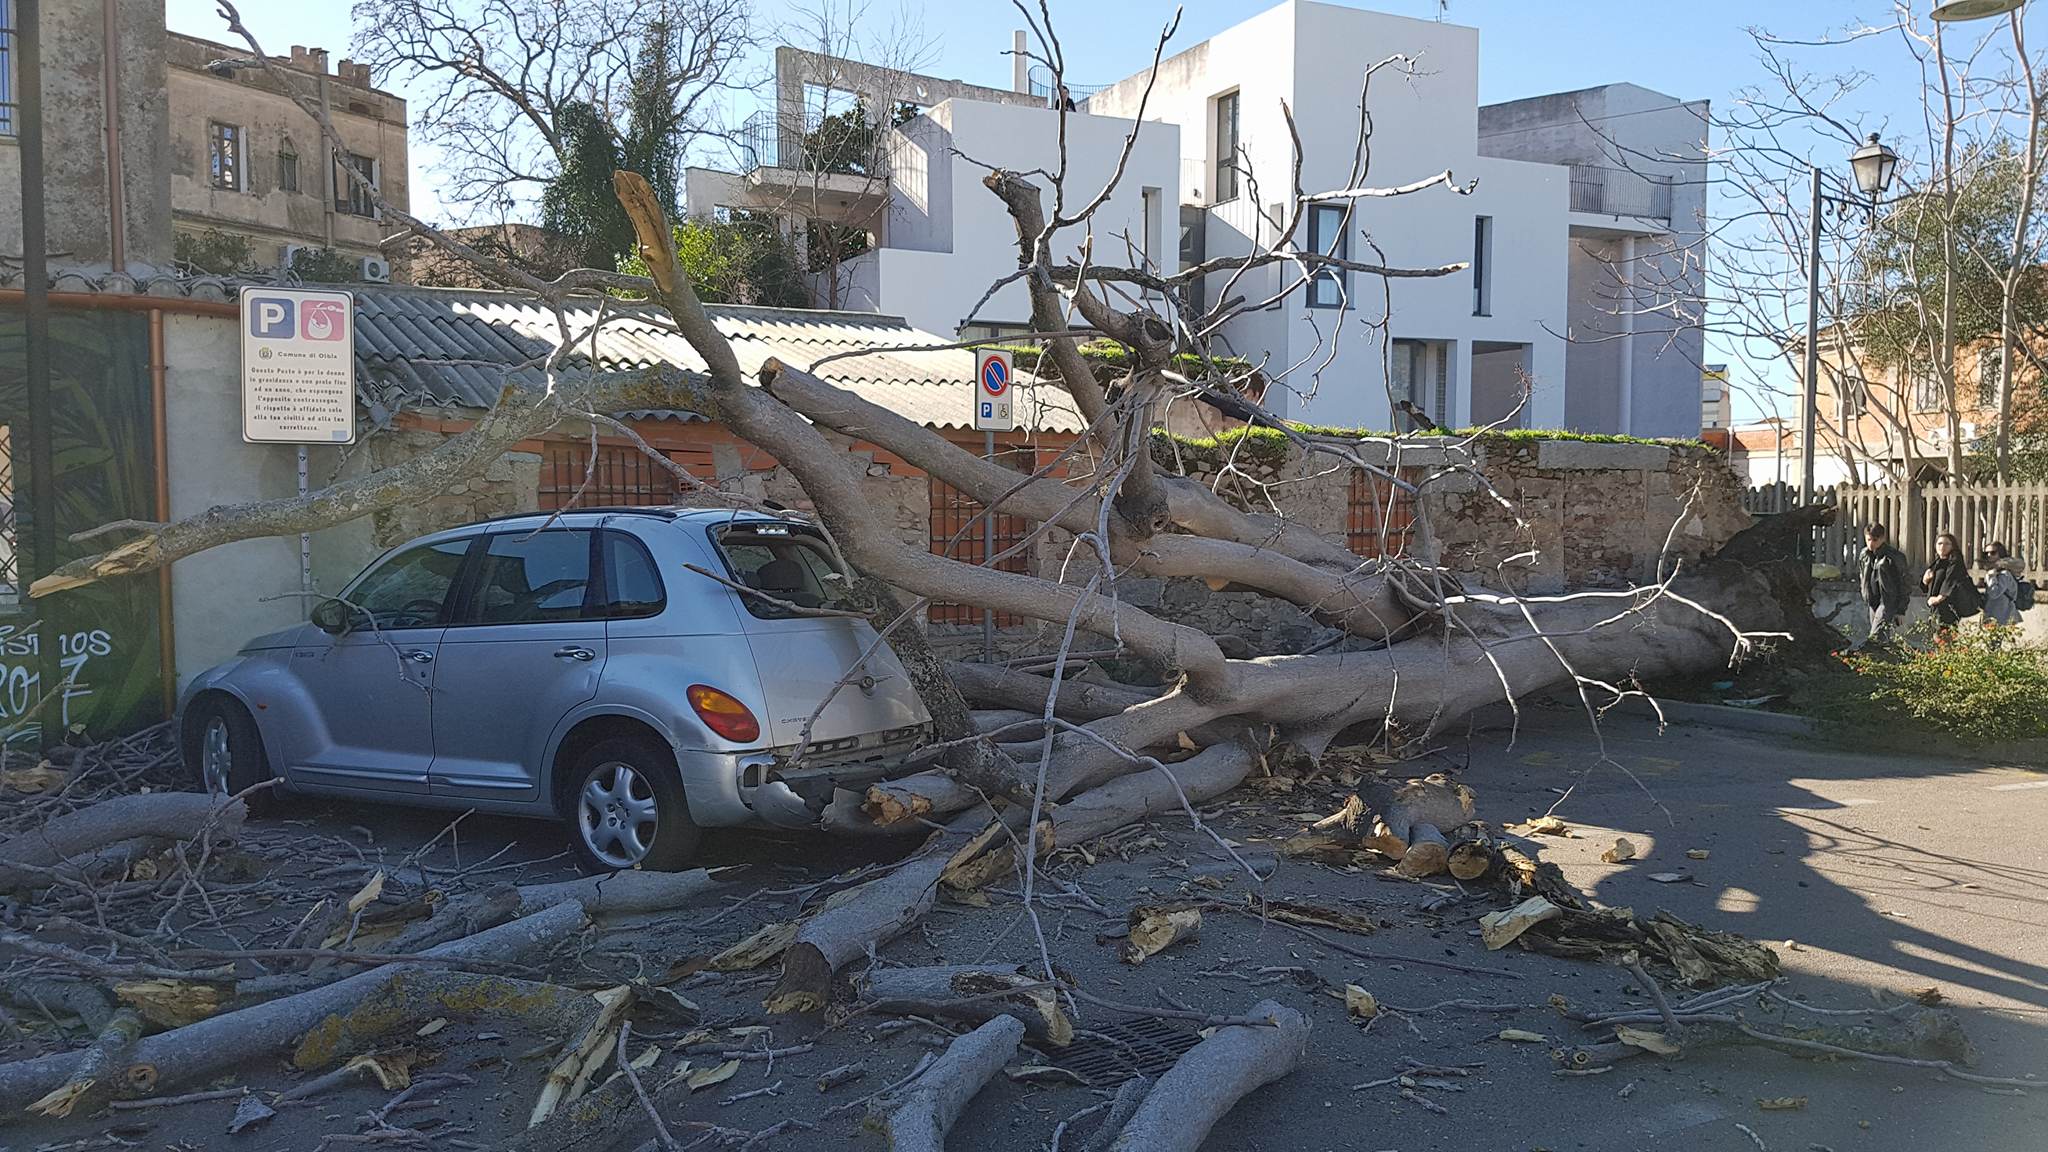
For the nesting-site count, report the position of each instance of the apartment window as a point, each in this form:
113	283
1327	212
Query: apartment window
1149	201
350	195
1926	389
224	155
287	168
1482	265
1990	376
1327	236
1225	158
1853	392
6	67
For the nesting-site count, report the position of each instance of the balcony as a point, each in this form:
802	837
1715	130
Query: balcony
778	160
1038	82
1617	192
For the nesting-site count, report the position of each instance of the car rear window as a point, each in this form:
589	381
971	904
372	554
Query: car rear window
787	561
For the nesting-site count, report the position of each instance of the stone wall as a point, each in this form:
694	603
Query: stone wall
1538	517
510	484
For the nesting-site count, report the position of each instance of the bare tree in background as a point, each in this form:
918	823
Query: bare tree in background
1948	266
506	76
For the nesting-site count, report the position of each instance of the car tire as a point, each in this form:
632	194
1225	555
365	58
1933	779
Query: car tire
625	808
224	750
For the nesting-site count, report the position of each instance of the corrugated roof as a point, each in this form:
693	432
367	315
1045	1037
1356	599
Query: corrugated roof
459	347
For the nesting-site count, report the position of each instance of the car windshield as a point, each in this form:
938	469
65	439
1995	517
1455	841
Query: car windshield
786	561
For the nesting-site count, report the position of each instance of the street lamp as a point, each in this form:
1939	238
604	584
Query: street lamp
1873	166
1959	10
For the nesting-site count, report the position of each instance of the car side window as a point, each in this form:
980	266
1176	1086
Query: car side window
533	578
632	584
410	589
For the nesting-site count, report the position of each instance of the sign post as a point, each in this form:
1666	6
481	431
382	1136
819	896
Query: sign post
992	414
298	377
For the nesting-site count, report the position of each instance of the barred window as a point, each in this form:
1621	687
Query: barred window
224	155
957	533
1380	514
7	127
10	555
287	168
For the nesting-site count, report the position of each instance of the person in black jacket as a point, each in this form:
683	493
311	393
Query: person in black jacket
1881	575
1951	594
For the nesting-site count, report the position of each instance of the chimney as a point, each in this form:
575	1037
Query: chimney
316	60
299	60
1020	64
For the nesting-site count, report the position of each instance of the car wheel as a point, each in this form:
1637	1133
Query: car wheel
626	808
225	751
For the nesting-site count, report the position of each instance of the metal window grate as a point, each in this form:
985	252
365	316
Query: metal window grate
10	563
953	514
624	477
7	103
1110	1054
1379	515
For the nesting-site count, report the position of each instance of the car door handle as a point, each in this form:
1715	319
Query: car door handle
420	656
575	652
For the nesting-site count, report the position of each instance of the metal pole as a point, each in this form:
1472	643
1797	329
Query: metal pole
35	274
1808	410
305	543
988	556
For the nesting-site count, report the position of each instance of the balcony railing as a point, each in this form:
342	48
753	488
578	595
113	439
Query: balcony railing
1038	82
1619	192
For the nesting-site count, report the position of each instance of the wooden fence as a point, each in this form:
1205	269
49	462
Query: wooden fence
2015	515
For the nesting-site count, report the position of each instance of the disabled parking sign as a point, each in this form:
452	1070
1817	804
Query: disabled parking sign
298	366
992	374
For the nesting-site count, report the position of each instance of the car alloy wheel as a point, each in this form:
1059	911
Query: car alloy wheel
216	756
616	815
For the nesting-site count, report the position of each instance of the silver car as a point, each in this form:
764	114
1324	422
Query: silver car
586	667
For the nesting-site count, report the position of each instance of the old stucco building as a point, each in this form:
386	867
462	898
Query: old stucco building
246	160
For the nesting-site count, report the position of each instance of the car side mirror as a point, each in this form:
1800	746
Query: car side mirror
333	617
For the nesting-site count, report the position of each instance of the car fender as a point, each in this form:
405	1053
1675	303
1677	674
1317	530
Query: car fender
275	699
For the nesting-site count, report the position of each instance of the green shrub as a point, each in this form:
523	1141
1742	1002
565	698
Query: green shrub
1962	684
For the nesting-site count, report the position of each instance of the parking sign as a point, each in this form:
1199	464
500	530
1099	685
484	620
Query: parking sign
993	373
298	366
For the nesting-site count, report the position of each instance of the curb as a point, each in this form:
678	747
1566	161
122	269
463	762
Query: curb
1723	716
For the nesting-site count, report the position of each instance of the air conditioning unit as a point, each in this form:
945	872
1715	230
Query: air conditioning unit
376	270
290	253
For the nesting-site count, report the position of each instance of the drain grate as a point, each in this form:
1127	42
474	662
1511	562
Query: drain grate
1113	1053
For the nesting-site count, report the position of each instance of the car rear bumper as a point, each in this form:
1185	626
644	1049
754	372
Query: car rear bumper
796	798
739	787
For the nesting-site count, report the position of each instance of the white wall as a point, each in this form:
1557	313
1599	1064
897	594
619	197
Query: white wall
1314	56
950	238
224	596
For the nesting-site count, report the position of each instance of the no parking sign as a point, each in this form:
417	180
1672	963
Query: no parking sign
992	375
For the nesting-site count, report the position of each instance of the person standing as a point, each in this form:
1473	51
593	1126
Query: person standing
1951	594
1881	575
2001	587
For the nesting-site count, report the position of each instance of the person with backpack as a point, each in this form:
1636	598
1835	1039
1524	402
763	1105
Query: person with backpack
1881	577
1951	594
2001	587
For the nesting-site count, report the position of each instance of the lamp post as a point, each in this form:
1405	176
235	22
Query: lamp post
1872	165
1956	11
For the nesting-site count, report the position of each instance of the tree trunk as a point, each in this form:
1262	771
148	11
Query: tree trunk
1212	1077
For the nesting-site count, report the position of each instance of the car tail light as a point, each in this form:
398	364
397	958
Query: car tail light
724	715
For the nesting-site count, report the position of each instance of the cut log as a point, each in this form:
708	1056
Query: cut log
921	1117
170	815
1427	854
995	687
872	915
1209	1080
632	893
973	993
921	795
405	1000
1473	859
216	1044
100	1072
1125	800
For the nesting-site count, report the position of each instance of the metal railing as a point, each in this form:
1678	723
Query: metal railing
1038	82
1619	192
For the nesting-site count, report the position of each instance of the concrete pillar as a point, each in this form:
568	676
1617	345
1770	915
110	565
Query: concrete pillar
1020	65
1625	416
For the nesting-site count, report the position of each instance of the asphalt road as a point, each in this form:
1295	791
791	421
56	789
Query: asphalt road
1886	872
1883	871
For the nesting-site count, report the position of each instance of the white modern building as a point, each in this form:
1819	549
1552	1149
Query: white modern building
1579	215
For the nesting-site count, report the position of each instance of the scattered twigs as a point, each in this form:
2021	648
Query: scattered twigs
661	1132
